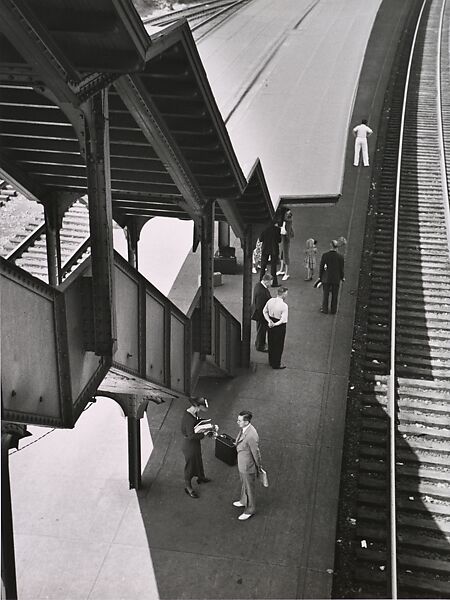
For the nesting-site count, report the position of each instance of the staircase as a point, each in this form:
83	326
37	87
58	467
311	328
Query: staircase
51	373
30	252
6	192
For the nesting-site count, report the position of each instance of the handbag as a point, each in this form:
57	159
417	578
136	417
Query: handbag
264	477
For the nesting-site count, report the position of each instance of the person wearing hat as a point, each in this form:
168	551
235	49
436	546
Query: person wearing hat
249	464
191	444
331	274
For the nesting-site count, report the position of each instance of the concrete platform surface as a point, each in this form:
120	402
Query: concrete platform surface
285	75
81	534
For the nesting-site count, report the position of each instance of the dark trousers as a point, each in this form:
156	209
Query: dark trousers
273	267
261	330
276	337
332	288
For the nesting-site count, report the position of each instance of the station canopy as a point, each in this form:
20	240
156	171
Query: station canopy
170	152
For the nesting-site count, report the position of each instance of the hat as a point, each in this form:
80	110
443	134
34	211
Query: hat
198	401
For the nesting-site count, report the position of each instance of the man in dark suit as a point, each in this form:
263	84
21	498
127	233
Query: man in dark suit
331	274
260	296
270	239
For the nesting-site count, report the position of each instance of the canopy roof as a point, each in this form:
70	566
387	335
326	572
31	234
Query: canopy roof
170	151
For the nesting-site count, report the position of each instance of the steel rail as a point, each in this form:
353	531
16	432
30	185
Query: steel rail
391	392
195	12
218	14
442	157
192	11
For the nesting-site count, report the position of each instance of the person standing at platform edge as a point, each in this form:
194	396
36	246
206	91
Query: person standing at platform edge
361	133
331	274
276	314
270	240
249	464
260	296
191	444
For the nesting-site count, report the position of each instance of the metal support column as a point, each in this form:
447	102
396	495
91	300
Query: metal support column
207	273
53	242
100	221
247	244
224	235
11	434
134	407
132	235
134	452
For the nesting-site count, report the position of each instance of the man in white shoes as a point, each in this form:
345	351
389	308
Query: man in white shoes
249	463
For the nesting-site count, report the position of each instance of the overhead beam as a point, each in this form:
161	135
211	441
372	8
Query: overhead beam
233	217
135	28
19	179
146	115
21	27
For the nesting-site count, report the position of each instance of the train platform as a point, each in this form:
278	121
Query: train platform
85	535
285	76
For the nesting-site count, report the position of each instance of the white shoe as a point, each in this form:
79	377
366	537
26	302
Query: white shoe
254	270
285	277
280	272
238	503
244	516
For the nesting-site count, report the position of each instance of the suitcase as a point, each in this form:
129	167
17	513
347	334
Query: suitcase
225	265
225	449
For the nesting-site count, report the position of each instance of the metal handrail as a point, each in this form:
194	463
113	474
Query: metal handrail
392	370
82	248
26	243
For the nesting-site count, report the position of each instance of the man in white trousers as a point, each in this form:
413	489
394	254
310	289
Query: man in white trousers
361	133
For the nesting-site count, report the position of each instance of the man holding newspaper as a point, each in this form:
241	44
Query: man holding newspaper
194	430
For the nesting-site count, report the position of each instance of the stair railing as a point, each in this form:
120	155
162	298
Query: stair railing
26	243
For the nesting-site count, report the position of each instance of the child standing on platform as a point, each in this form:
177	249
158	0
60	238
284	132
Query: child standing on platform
310	258
256	259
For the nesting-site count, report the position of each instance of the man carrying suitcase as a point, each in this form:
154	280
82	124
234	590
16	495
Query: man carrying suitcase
249	463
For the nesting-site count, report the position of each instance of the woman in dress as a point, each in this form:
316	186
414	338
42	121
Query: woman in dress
191	444
310	258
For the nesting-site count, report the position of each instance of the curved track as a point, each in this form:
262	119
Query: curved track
422	350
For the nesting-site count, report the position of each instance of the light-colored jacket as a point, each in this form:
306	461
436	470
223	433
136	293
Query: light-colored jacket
247	446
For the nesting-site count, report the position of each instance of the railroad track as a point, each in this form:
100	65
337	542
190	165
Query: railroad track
194	13
203	17
28	247
422	361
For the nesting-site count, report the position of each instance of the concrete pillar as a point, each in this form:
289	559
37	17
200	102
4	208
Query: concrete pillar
247	244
